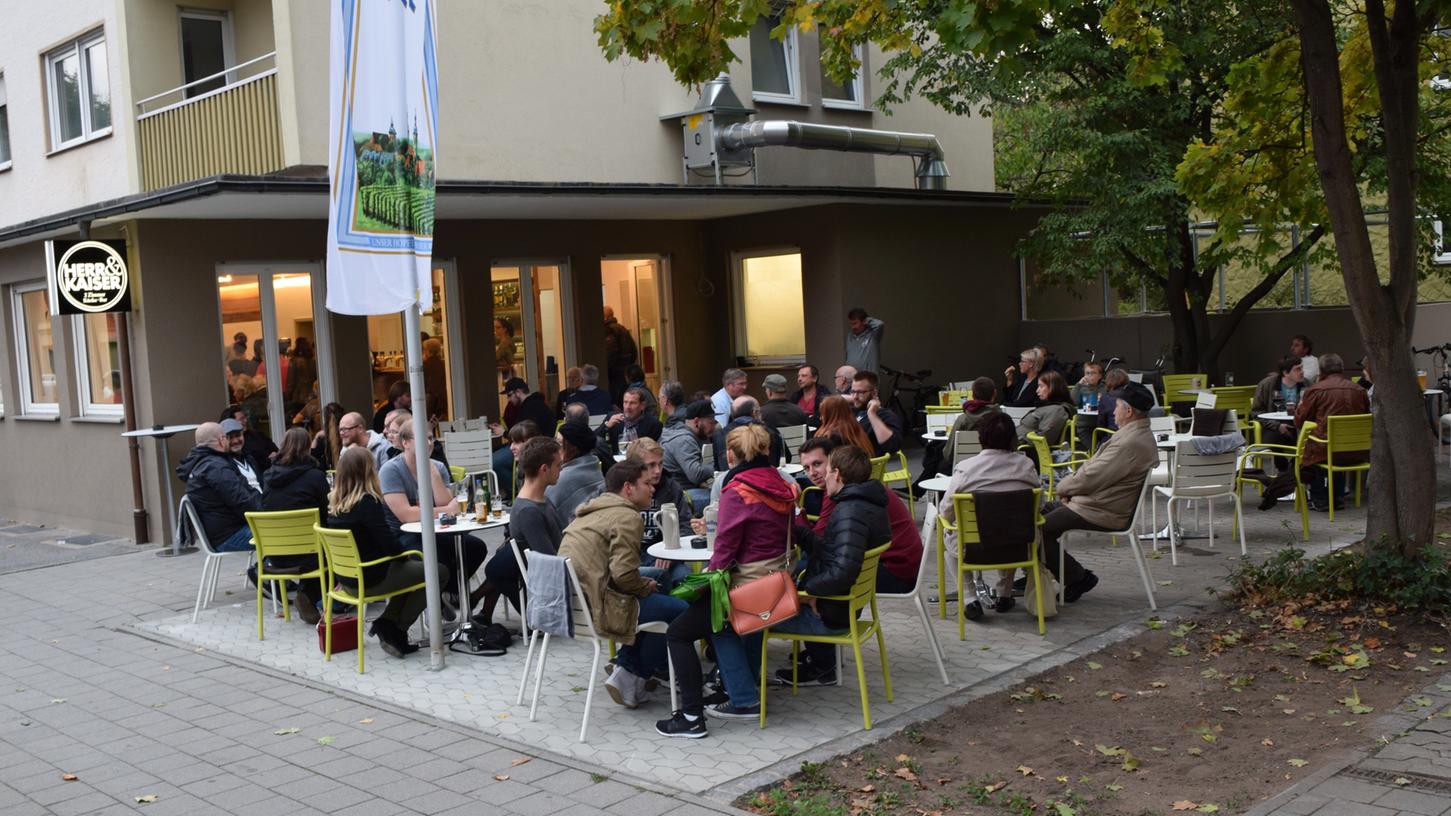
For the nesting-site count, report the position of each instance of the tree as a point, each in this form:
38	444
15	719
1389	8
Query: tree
1095	103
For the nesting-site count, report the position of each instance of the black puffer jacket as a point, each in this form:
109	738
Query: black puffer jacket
834	560
295	487
218	492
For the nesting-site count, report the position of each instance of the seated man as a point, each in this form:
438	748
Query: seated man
746	411
399	482
573	379
779	412
1104	492
1280	390
603	544
672	401
522	407
998	468
683	462
581	476
1333	395
882	426
399	398
634	421
732	385
809	393
649	453
532	523
898	572
219	493
594	398
981	404
1088	390
833	559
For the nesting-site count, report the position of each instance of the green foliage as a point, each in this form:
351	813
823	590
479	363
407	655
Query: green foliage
781	802
1418	584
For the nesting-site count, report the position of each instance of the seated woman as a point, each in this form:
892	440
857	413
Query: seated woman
296	482
757	505
1055	408
532	523
356	504
839	424
399	479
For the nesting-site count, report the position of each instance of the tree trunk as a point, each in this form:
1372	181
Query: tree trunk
1402	504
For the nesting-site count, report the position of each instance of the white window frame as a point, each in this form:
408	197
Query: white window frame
76	47
5	130
229	54
28	407
857	84
82	361
1443	252
738	303
791	45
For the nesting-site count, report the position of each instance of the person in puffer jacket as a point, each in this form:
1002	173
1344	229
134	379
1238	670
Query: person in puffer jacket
219	494
833	560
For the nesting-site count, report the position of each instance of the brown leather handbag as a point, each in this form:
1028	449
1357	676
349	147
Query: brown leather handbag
762	602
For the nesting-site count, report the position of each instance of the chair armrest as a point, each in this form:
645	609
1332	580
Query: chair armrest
1314	438
387	558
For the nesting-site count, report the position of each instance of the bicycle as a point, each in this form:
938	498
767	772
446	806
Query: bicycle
923	395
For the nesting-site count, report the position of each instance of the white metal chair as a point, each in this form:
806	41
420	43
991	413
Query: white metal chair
1131	533
583	628
1206	399
1199	476
792	438
939	423
596	420
1016	414
476	424
212	566
929	535
523	590
965	444
473	451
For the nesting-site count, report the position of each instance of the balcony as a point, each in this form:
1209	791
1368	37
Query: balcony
231	129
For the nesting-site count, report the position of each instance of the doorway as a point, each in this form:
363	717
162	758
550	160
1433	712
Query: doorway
532	340
276	353
442	339
637	288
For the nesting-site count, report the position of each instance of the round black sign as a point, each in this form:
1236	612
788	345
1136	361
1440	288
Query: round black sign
92	276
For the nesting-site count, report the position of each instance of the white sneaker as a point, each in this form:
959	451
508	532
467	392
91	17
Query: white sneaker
623	688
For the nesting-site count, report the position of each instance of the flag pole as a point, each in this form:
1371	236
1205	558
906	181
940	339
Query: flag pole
422	452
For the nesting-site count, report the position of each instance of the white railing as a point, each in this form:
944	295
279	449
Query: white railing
166	100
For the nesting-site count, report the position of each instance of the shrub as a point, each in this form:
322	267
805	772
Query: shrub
1381	575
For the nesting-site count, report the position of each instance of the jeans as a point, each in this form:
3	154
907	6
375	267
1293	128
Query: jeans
646	655
739	661
699	498
240	541
503	465
666	578
891	584
503	572
735	656
807	622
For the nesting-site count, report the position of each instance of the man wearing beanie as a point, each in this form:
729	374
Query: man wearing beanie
1104	492
580	477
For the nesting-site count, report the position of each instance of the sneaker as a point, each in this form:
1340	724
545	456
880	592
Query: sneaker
1075	590
682	725
1004	604
973	611
623	688
306	608
806	677
731	711
715	698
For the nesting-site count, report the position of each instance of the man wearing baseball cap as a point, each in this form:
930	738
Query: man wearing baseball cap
1104	492
778	411
218	492
522	405
683	461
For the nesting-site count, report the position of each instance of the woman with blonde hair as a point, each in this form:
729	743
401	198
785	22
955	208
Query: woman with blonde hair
839	424
356	504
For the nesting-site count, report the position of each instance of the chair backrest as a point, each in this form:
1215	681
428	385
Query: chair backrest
938	423
1016	413
1174	383
879	466
792	438
1045	455
965	444
471	450
964	506
186	514
946	410
864	588
342	553
952	397
1307	429
801	501
1237	397
1347	433
596	420
929	539
1206	399
1163	424
584	622
524	576
1197	474
284	532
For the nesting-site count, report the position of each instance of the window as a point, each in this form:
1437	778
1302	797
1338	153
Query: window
769	308
206	49
4	126
79	90
849	95
98	364
773	62
35	350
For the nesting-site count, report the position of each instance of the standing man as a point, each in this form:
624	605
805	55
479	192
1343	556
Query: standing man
620	354
863	340
809	393
779	412
218	492
732	385
435	377
523	406
633	422
683	461
882	426
1302	348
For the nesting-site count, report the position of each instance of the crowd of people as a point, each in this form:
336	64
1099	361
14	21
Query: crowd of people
715	457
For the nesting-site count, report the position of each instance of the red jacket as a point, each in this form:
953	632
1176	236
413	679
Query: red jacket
904	557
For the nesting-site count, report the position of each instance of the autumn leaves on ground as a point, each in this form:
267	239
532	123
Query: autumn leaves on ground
1210	715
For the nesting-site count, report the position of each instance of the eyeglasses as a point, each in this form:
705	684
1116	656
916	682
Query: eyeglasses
349	427
863	393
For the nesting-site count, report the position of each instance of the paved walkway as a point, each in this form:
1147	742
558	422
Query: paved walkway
102	675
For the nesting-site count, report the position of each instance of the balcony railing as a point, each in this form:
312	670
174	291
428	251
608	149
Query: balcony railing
232	129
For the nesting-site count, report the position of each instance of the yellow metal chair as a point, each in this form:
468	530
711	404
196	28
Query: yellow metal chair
456	473
899	475
1346	433
863	595
343	561
801	502
283	533
879	468
1099	432
954	398
1295	453
1046	465
1239	398
1174	383
965	507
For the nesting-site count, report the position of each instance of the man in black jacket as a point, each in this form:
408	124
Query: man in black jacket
746	411
217	490
810	392
778	412
881	425
633	422
834	560
522	406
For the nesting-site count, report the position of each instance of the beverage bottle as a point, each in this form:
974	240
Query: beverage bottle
670	526
481	498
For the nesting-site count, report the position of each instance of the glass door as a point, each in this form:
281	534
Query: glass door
271	340
389	354
637	290
531	338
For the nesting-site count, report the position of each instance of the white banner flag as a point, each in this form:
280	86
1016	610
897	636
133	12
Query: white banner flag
384	124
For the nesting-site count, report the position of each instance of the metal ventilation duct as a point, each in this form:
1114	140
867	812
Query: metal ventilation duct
718	136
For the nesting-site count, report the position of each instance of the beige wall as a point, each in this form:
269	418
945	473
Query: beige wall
154	39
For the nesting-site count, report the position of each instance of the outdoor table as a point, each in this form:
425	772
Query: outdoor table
1192	392
791	468
466	523
934	437
684	552
1276	416
161	433
619	457
936	484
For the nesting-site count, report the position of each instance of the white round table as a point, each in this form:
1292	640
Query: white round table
684	552
1093	412
936	484
620	457
1277	416
791	468
466	524
933	437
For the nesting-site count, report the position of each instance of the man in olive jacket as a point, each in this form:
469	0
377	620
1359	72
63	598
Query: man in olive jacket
603	545
1104	492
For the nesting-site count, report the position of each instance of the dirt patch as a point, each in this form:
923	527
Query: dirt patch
1212	714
